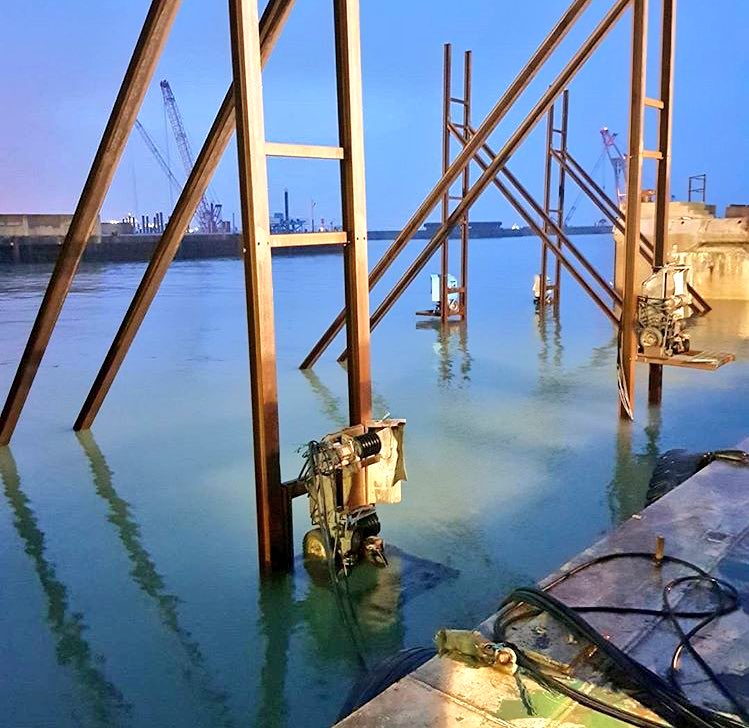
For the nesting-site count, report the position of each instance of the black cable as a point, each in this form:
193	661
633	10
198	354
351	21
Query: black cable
552	684
685	640
720	588
656	692
672	694
310	474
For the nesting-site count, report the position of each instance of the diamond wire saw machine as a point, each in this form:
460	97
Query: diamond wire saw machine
663	307
368	457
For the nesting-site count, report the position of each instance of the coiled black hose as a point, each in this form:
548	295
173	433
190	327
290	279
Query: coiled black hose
663	697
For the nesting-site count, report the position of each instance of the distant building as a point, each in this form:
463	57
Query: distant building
123	227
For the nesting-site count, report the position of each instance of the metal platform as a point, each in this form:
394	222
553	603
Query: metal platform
705	520
708	360
432	313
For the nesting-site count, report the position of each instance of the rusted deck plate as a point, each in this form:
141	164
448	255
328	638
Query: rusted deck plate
705	520
709	360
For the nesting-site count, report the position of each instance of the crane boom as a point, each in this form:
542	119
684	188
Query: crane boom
158	156
209	210
618	163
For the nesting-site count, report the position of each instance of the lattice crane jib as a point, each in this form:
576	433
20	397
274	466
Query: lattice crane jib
209	209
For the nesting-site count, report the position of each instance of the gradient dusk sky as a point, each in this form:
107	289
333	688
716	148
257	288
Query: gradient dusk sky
62	63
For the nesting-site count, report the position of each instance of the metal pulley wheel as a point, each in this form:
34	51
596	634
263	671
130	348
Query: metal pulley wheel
651	337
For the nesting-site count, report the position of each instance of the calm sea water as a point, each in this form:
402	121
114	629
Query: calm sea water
130	594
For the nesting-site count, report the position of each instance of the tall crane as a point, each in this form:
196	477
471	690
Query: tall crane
618	163
159	157
209	209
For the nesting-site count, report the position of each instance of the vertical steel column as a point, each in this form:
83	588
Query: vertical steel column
548	171
466	183
354	206
560	192
663	179
274	527
138	76
627	333
446	118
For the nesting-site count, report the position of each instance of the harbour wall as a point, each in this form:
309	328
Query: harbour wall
38	225
715	248
22	248
138	248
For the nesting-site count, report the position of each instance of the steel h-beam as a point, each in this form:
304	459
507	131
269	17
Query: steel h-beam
446	118
137	78
501	159
465	183
627	333
548	171
354	207
617	217
548	226
526	75
543	230
558	212
560	192
447	122
663	178
271	25
274	525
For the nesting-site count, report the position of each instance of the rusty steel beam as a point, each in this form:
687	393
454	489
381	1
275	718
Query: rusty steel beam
569	160
526	75
302	151
563	129
617	219
271	25
564	241
446	116
628	330
465	184
354	211
137	78
297	240
548	171
663	179
553	246
548	221
516	138
556	248
548	224
616	216
274	522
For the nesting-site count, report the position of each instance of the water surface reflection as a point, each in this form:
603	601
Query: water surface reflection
144	561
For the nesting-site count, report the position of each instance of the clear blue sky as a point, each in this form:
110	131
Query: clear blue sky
62	64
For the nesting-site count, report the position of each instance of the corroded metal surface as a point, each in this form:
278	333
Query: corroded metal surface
705	521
